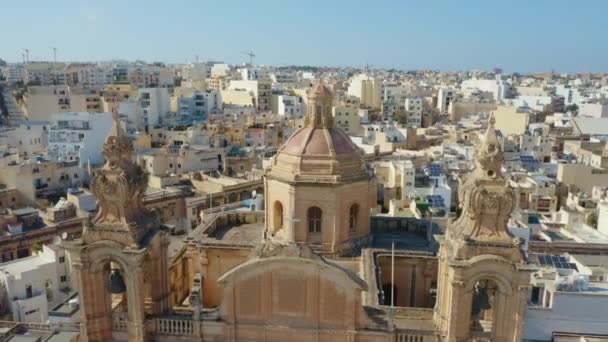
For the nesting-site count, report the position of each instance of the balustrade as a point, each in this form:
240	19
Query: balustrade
173	326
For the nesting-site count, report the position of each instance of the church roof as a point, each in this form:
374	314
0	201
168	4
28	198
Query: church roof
319	152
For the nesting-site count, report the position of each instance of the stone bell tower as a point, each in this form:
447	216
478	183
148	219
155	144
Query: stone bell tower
483	275
120	262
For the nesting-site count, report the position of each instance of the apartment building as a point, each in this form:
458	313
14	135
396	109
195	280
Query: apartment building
368	89
35	284
43	73
78	136
290	106
30	138
413	111
155	106
199	105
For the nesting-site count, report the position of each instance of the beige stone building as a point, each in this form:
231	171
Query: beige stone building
312	266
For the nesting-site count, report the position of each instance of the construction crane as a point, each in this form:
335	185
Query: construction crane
54	53
27	55
250	54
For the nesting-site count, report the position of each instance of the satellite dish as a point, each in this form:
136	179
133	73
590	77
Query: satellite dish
253	193
64	236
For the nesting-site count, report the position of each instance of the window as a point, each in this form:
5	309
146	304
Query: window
63	278
314	220
172	212
61	259
354	211
28	291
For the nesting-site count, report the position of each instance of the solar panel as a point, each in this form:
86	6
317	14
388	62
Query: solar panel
435	201
556	261
434	170
527	159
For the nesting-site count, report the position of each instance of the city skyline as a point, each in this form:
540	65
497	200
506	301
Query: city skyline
525	37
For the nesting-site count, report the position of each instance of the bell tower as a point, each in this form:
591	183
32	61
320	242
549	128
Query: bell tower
483	275
120	262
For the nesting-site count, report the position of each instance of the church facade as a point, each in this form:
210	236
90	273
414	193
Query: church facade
319	268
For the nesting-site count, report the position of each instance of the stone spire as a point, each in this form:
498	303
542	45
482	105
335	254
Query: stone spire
119	187
485	198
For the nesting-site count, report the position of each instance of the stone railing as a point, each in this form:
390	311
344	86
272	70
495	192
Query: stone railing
416	336
480	336
119	321
171	326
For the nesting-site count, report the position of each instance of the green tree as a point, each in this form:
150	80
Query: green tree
573	108
36	247
591	220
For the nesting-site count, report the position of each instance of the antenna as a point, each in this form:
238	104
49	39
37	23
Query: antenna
54	53
27	55
250	54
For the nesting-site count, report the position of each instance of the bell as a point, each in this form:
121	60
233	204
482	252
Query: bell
117	283
480	301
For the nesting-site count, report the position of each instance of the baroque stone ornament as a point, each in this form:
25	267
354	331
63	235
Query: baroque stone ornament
119	187
486	200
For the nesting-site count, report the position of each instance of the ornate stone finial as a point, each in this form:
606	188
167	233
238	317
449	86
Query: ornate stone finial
120	184
489	154
485	198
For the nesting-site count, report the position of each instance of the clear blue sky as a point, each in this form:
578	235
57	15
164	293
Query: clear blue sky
517	35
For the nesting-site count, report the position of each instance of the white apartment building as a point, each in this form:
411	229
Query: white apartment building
78	136
413	111
33	285
155	106
290	107
571	95
131	110
537	103
200	105
499	87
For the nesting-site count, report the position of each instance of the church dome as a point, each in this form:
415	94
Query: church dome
319	152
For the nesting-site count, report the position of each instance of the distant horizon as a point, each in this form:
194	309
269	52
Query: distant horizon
243	64
523	36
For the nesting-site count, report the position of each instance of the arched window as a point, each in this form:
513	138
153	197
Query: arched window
278	215
314	220
352	221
